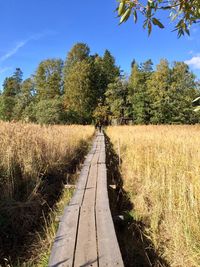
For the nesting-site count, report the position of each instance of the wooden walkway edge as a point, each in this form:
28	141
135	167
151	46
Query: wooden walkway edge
86	234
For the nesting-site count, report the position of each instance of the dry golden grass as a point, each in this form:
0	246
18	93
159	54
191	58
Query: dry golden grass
161	168
28	152
35	162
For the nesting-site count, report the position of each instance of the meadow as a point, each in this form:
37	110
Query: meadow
35	163
160	166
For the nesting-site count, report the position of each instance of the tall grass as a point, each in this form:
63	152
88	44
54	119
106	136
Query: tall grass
161	168
28	153
35	162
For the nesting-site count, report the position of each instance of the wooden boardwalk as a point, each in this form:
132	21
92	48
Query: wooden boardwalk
86	234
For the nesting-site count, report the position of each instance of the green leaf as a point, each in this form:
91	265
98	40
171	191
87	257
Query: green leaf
187	31
149	27
125	16
158	23
135	16
121	8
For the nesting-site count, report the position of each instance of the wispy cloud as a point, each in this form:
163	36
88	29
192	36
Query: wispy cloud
2	70
13	51
194	62
22	43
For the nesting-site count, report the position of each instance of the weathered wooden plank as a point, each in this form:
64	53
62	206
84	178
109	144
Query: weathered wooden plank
86	248
80	187
64	245
77	198
86	235
91	153
90	190
108	249
102	156
102	200
62	253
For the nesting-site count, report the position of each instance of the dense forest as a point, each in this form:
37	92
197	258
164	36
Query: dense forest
85	88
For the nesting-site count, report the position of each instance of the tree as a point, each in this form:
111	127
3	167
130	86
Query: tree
111	71
139	95
116	99
80	96
11	89
101	114
12	85
48	79
50	111
147	67
184	12
105	72
6	109
18	74
158	87
183	90
99	78
23	100
171	91
79	52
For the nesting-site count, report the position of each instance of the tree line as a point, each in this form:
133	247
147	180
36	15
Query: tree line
86	88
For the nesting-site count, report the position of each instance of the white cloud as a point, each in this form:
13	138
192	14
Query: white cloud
194	62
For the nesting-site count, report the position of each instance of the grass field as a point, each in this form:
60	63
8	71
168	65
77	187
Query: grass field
35	162
160	168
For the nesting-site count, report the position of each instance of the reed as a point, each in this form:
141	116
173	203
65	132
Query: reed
35	162
160	168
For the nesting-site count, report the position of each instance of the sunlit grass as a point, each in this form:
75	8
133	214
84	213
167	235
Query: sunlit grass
28	152
35	162
161	167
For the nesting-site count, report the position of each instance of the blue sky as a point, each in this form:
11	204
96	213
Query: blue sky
32	31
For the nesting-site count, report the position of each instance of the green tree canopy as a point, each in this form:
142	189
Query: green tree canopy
23	100
138	93
79	52
80	96
116	99
48	79
11	90
50	111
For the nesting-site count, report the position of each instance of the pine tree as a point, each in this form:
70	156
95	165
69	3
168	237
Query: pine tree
18	74
111	71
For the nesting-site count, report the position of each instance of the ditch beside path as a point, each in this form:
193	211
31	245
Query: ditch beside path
86	234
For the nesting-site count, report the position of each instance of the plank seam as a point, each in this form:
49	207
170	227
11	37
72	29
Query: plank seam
77	227
95	211
88	175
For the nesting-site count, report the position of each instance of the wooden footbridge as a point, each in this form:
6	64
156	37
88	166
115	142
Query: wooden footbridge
86	234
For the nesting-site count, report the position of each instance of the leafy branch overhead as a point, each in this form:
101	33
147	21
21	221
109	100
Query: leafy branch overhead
183	12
